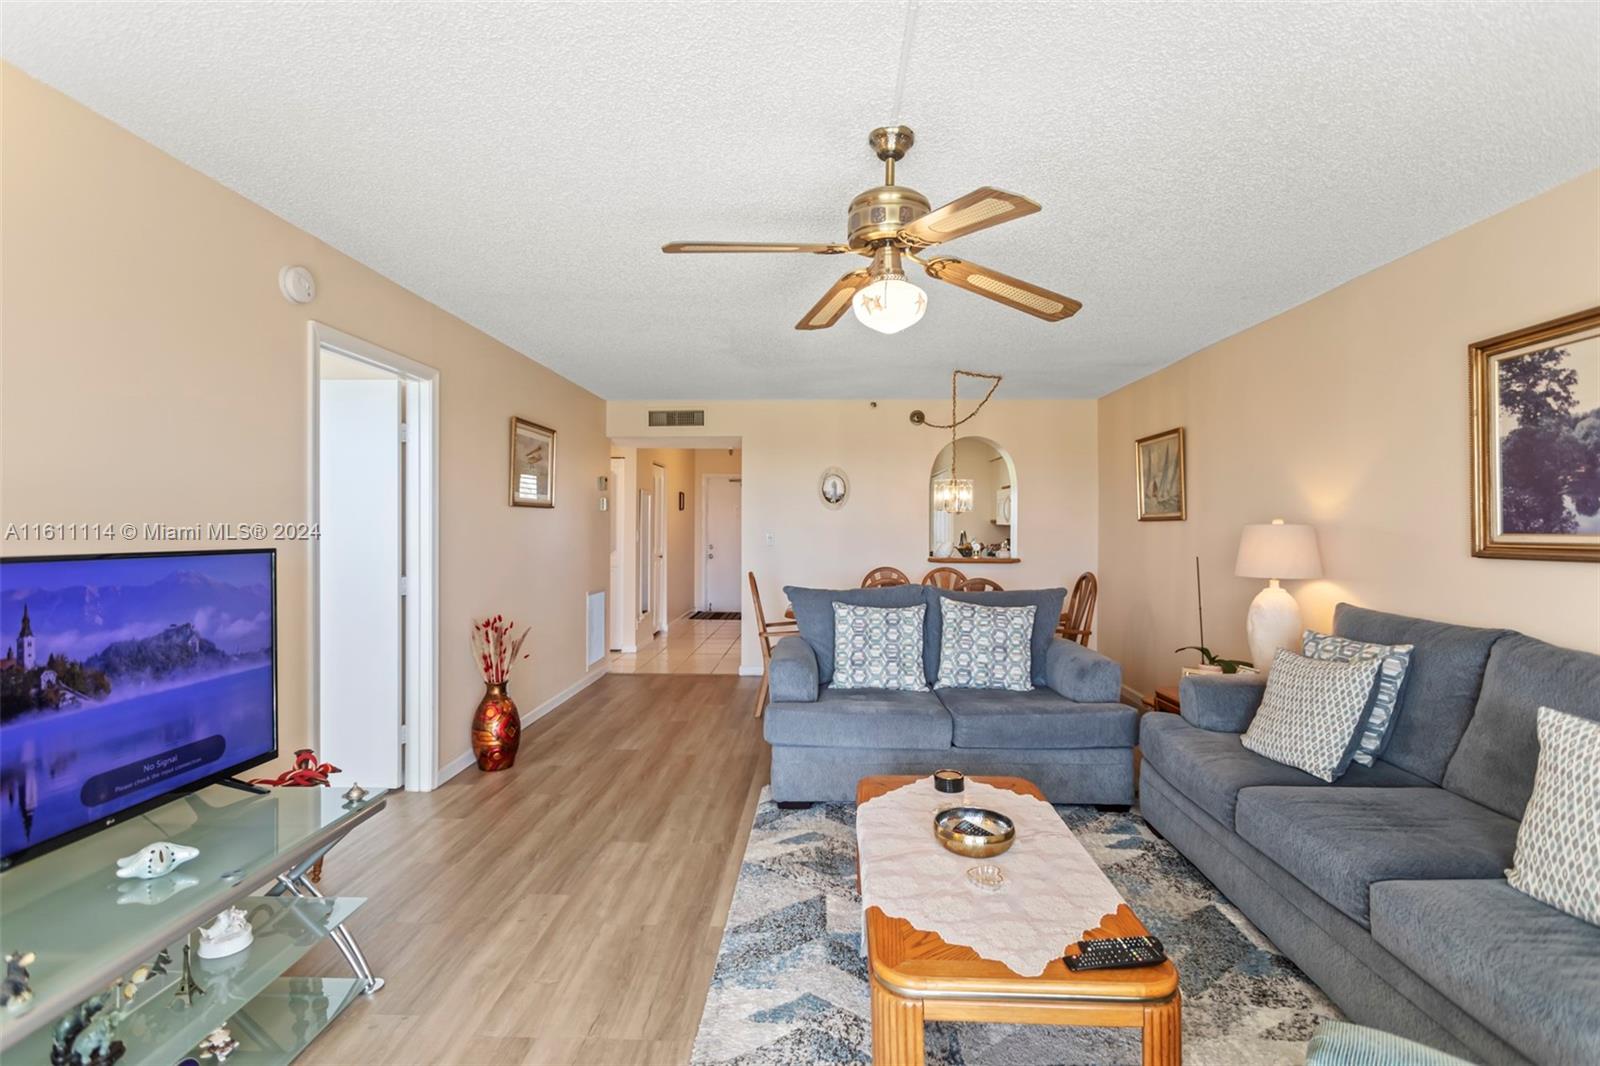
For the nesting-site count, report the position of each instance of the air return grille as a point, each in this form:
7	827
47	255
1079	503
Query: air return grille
677	418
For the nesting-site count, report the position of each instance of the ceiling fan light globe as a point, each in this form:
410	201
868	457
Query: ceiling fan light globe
890	305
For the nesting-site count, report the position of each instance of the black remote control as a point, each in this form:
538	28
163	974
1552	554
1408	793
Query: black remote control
1115	953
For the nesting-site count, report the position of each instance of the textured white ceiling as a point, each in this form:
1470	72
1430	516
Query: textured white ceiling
1202	167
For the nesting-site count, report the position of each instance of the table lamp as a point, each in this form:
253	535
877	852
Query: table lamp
1277	552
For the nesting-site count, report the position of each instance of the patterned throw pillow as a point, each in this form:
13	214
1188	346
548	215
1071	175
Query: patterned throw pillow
983	646
1558	844
878	647
1310	713
1393	662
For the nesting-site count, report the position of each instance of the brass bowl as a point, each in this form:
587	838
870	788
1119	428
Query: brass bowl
995	832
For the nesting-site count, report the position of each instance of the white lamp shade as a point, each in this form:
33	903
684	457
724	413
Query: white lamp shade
1277	551
889	305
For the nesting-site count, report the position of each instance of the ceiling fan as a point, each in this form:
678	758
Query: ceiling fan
891	222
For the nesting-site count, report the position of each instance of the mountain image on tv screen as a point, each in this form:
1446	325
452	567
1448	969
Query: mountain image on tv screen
124	678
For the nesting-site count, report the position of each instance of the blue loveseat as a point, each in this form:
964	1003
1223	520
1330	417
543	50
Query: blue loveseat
1387	886
1068	734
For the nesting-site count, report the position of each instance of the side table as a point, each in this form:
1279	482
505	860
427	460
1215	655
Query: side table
1165	699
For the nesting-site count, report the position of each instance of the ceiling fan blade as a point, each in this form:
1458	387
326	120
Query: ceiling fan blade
979	209
1002	288
685	247
835	302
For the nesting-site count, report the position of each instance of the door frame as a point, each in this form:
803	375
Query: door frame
658	574
420	613
703	535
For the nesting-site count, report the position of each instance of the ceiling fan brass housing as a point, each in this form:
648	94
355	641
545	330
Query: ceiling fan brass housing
880	213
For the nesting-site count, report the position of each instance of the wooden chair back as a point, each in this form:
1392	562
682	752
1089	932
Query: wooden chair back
944	577
980	584
884	575
766	630
1077	621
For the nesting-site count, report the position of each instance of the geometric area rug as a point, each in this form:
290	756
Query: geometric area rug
790	984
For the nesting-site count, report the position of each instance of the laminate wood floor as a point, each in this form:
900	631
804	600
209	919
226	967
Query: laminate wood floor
568	910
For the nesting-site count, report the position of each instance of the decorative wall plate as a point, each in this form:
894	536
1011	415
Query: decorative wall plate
834	488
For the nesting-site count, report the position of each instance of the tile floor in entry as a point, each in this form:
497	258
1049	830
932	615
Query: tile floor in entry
689	646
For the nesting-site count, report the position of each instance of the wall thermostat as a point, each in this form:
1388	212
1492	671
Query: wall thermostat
297	284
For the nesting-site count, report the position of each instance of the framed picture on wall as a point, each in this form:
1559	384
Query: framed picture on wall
1158	466
533	464
1535	406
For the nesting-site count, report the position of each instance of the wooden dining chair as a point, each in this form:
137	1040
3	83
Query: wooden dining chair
765	630
1077	621
980	584
944	577
884	575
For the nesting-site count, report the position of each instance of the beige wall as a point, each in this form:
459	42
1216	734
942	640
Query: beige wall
151	372
787	444
1348	412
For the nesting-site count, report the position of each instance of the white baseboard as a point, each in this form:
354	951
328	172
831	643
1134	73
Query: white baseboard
454	767
749	671
466	759
1133	697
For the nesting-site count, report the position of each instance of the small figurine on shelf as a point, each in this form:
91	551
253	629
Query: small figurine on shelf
187	987
218	1044
307	772
17	991
155	860
354	794
228	934
86	1036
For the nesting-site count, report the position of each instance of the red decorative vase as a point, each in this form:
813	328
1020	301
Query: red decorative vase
496	730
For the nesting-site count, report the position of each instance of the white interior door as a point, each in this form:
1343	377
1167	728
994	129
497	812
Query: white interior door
647	553
658	575
361	513
722	543
616	602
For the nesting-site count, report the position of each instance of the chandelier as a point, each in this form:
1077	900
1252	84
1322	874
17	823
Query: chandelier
953	494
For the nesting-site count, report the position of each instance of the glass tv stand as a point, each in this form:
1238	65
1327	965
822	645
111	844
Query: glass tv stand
87	929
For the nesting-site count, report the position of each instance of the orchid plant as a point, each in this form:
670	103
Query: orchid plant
493	649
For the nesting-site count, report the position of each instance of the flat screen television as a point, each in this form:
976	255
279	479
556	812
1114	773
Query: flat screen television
128	679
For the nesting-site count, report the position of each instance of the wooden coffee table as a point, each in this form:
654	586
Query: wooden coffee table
917	977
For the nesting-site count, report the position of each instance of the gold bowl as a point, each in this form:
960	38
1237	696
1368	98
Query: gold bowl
975	832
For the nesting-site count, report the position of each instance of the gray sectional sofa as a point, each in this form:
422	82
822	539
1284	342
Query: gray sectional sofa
1387	886
1069	734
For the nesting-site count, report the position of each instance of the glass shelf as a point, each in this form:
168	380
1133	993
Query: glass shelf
161	1029
87	927
284	1019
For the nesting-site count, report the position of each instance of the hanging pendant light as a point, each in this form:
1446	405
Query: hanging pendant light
953	495
890	303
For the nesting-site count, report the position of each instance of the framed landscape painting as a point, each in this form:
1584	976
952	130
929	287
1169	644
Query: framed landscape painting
1158	463
1535	396
533	464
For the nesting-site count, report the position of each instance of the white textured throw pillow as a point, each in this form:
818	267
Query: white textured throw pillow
878	647
1558	844
985	646
1311	711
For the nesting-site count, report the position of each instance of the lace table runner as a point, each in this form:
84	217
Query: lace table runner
1053	890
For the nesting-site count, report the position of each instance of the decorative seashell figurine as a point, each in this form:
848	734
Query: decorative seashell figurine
228	934
155	860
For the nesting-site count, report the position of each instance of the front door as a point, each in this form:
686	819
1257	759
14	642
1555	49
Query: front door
722	544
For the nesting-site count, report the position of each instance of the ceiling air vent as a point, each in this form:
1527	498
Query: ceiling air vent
677	418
